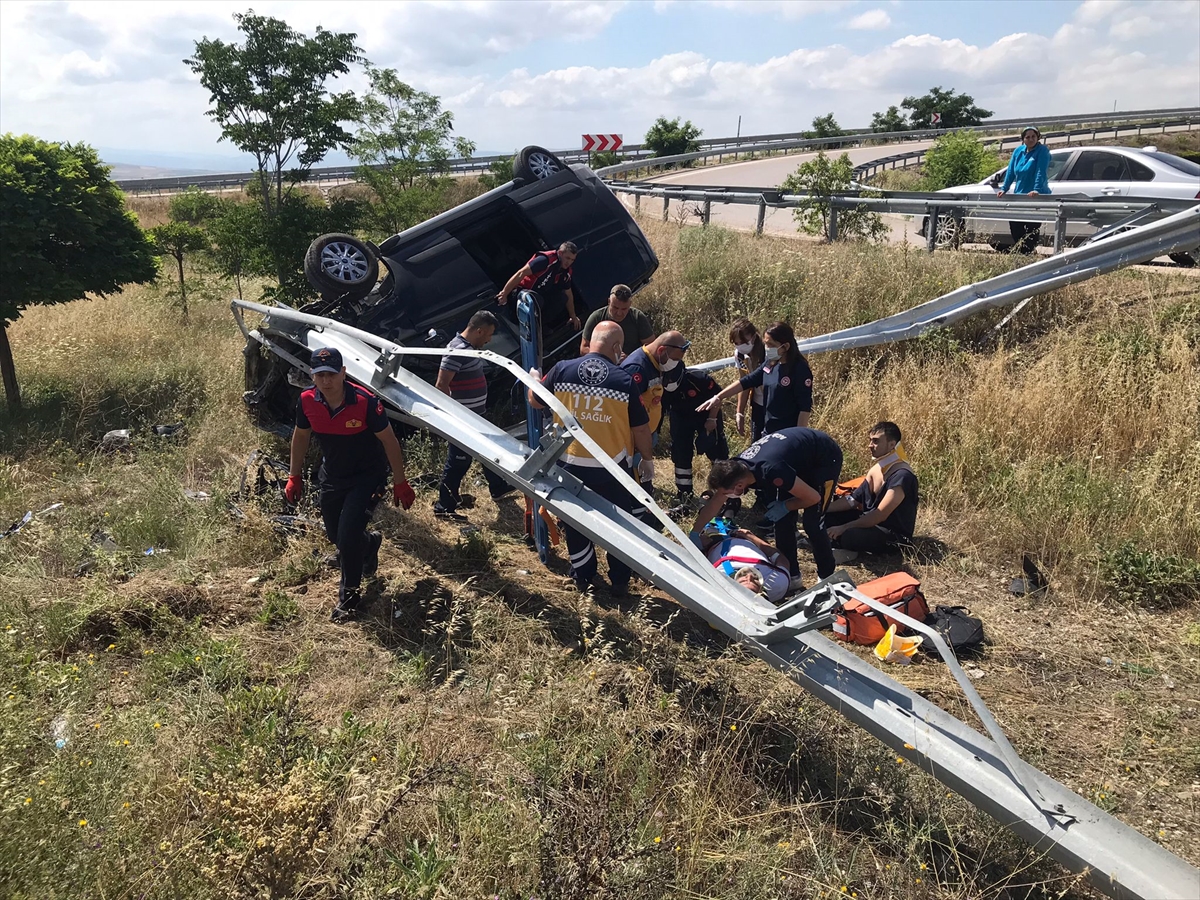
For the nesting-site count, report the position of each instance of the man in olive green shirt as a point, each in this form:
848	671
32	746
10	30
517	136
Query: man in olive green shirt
634	323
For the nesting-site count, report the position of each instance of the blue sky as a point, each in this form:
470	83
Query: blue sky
109	72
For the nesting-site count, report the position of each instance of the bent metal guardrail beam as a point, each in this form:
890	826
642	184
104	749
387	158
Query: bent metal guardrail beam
1179	232
1049	816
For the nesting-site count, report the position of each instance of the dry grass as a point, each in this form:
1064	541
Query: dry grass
485	732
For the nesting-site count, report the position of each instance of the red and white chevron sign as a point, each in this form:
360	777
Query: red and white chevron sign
602	142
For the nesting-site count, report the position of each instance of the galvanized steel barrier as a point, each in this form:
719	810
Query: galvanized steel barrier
1049	816
710	147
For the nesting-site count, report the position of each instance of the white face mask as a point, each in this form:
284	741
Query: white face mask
669	364
743	349
772	354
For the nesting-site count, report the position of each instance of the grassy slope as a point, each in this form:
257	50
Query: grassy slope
486	732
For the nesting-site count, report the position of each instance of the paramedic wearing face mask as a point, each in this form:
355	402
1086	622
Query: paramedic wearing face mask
785	378
801	466
657	369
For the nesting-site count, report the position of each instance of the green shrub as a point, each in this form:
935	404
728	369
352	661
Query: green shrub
958	158
1150	578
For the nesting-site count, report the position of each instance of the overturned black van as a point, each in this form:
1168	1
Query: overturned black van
437	274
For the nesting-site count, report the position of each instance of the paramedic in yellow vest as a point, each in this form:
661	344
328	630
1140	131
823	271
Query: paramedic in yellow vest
607	404
881	511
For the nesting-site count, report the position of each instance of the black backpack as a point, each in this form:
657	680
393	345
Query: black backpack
963	632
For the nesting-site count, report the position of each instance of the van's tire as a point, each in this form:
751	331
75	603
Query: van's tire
341	267
1186	260
536	164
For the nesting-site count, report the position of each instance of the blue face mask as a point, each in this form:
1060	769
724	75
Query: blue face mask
772	354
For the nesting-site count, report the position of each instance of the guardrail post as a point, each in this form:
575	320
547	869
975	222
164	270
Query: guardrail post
832	223
637	204
707	212
762	215
666	208
1060	230
931	230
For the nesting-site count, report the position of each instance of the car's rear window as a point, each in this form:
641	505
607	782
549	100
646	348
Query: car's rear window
1186	166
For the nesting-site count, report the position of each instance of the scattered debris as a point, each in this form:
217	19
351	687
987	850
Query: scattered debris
262	473
26	519
19	524
198	496
168	430
116	441
154	551
1033	582
284	524
60	732
104	542
893	648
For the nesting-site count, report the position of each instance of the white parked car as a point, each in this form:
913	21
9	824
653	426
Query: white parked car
1092	172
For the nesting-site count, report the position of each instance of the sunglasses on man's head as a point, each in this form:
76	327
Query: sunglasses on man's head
677	347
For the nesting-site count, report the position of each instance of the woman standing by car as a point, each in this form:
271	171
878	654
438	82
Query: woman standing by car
1027	175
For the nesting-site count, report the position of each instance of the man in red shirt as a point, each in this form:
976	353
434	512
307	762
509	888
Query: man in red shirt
549	273
358	446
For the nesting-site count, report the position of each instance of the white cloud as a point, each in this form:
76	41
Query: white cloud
871	20
111	73
1130	29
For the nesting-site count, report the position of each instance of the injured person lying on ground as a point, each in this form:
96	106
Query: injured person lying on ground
740	554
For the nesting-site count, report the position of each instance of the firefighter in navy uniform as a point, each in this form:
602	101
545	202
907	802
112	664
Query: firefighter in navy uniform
603	397
694	432
548	272
802	466
358	446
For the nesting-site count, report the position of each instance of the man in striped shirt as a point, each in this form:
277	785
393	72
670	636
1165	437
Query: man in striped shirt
462	377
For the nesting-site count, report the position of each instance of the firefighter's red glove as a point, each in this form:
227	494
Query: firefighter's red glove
402	494
294	489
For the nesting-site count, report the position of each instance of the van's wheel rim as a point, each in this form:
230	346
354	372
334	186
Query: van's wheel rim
344	262
542	165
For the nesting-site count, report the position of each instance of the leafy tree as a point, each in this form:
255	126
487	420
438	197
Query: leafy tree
177	240
405	129
194	206
957	157
270	98
669	138
957	109
825	126
891	120
235	233
499	172
404	144
64	234
820	179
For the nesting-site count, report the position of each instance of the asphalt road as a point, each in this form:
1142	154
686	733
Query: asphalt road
769	172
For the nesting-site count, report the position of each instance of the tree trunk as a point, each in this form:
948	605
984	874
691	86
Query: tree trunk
237	277
11	390
182	289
